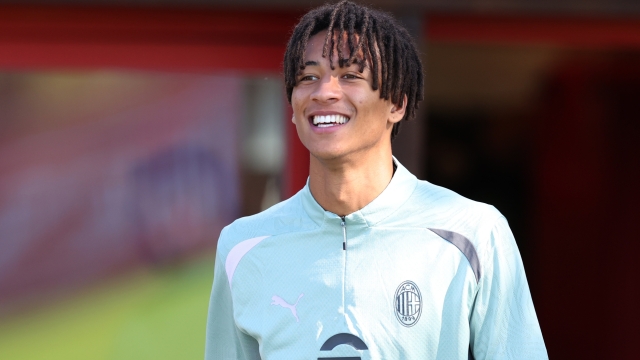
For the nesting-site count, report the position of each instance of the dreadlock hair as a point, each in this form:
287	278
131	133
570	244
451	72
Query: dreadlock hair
395	63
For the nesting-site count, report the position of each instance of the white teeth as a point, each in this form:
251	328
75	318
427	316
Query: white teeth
329	120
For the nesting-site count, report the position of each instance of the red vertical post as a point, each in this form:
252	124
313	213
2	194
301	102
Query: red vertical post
297	167
586	211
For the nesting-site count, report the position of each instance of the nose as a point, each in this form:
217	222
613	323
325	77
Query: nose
327	90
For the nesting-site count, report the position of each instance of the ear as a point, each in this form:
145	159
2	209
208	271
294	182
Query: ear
293	119
397	112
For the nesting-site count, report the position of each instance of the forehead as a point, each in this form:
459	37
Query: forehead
315	46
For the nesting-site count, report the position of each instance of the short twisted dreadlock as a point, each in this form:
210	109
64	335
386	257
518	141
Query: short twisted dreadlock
396	65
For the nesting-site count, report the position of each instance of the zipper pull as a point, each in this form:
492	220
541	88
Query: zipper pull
344	233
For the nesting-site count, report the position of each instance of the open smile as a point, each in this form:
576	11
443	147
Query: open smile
328	120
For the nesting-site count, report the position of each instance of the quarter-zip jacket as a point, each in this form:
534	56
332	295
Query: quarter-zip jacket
419	273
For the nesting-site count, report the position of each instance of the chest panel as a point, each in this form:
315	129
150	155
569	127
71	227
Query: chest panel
303	289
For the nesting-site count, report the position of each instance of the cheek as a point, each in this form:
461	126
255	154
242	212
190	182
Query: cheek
297	103
295	99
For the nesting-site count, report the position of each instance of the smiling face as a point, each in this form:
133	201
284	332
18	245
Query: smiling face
336	112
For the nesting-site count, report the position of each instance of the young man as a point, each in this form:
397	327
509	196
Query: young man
366	261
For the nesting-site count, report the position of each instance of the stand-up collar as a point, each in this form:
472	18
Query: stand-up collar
394	195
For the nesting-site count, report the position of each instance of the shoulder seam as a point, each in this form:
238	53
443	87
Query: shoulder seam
236	254
465	246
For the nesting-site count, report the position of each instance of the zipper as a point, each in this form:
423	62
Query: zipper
344	257
344	233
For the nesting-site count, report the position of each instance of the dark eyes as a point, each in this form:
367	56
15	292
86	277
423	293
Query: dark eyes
350	76
308	78
314	77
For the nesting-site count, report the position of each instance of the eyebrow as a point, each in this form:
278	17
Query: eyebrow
315	63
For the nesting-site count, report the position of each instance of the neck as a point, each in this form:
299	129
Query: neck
343	186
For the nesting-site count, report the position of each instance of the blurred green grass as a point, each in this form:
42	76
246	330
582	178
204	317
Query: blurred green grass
149	314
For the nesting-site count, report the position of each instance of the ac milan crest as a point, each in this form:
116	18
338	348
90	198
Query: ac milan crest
408	303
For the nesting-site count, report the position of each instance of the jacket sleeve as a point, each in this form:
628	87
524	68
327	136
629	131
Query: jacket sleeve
503	321
225	341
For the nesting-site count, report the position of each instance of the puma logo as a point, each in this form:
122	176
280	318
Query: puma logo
277	300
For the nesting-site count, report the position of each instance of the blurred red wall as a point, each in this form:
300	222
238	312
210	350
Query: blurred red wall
586	294
587	198
586	175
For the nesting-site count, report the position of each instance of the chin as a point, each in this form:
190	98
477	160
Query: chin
326	155
325	149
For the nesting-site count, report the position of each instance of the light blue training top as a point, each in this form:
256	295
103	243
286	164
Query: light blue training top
419	273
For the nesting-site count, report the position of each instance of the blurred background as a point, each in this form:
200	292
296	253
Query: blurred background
132	131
